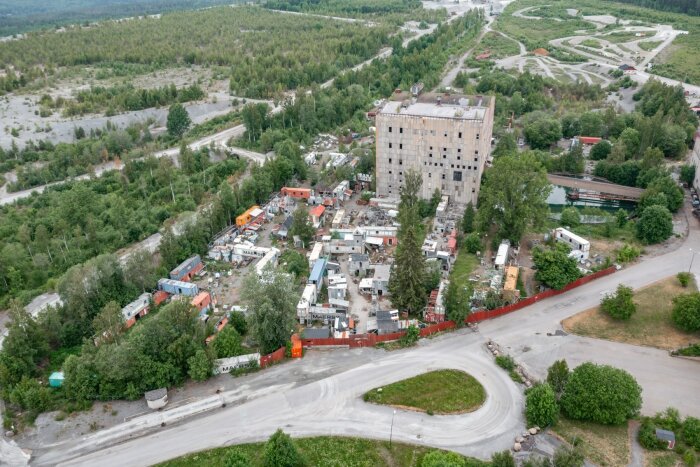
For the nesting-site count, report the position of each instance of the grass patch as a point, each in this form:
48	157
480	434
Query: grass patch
604	445
649	45
620	37
323	451
497	45
439	392
592	43
651	325
464	266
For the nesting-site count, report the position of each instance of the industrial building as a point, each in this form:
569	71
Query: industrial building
445	137
580	247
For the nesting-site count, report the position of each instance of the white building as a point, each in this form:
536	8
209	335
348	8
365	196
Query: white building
308	297
270	258
502	255
580	247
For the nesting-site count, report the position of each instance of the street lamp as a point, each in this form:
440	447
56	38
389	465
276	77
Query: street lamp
391	430
692	257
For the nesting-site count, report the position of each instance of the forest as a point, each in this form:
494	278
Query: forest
347	100
386	11
68	224
18	16
122	98
689	7
267	52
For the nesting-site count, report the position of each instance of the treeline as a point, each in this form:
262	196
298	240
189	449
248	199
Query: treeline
68	224
123	98
27	15
267	51
689	7
345	6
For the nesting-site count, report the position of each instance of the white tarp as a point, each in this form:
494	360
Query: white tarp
225	365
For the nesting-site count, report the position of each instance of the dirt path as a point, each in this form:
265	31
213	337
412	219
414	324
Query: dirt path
636	451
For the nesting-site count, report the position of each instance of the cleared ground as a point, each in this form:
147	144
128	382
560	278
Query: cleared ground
326	451
604	445
651	325
437	392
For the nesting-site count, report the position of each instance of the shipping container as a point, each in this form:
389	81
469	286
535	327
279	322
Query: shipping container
187	269
202	301
174	287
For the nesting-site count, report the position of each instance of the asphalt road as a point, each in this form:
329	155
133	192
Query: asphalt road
331	405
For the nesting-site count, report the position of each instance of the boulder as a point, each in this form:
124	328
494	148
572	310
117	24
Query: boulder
519	439
532	431
517	447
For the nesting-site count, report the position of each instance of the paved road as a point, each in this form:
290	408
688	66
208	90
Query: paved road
333	406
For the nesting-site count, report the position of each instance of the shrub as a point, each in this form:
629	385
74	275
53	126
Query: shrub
686	312
442	459
570	217
472	243
506	362
558	375
647	436
601	394
411	337
655	224
691	432
690	351
684	278
620	304
541	408
502	459
689	458
236	458
568	457
627	253
280	451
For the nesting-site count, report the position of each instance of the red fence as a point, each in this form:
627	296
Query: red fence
274	357
369	340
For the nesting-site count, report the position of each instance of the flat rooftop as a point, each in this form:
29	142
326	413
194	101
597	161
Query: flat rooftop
454	106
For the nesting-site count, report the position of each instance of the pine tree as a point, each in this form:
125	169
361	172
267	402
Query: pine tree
408	274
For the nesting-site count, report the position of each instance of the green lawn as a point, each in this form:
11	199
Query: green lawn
591	43
604	445
651	325
464	266
649	45
497	45
436	392
323	451
619	37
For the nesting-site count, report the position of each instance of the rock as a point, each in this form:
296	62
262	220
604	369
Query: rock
526	435
538	429
519	439
9	433
379	389
517	447
533	431
495	352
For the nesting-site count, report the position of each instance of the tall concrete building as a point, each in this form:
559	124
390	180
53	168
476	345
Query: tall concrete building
444	137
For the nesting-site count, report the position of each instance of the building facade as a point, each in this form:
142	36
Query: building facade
444	137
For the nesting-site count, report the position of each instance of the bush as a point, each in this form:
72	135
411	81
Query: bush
691	432
620	304
684	278
280	451
568	457
472	243
541	408
558	375
690	351
411	337
506	362
686	312
655	224
570	217
689	458
555	268
442	459
237	458
502	459
627	253
647	436
600	151
601	394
